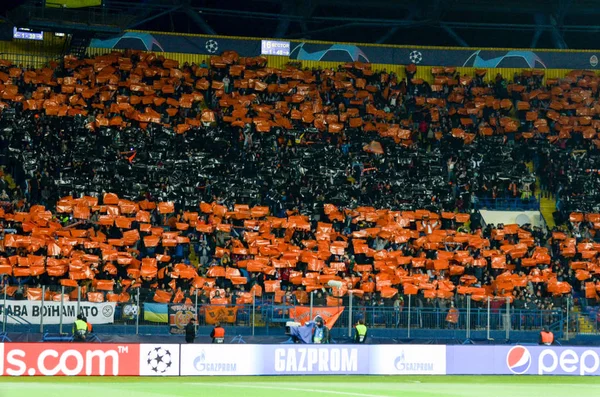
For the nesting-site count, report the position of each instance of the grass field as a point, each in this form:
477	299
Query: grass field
303	386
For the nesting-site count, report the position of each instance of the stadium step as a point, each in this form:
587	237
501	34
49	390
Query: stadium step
585	325
78	45
547	208
547	205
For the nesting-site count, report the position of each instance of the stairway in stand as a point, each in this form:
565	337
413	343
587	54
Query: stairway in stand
585	324
547	208
547	205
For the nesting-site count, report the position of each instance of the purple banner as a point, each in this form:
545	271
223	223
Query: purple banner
522	360
285	359
311	359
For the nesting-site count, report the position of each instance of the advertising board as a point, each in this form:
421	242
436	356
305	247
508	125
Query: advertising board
70	359
315	359
96	359
407	359
159	359
303	359
523	360
202	360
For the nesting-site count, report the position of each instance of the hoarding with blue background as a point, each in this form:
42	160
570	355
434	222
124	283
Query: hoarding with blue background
344	52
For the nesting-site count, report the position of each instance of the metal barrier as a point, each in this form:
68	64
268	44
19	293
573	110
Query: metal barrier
487	319
29	60
587	322
138	308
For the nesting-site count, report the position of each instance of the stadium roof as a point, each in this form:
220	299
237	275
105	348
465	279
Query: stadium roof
472	23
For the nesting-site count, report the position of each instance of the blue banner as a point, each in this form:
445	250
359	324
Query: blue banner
344	52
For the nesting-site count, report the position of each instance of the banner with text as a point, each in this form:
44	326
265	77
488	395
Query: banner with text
179	317
408	359
104	359
523	360
225	315
31	312
72	359
89	359
199	360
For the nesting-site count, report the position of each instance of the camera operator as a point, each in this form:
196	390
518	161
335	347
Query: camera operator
321	332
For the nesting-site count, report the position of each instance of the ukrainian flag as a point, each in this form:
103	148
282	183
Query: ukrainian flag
156	312
73	3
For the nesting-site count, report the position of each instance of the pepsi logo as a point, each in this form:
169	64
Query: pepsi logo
518	360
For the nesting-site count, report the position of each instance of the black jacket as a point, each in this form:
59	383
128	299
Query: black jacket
190	331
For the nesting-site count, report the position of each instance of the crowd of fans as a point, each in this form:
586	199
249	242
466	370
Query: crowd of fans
311	175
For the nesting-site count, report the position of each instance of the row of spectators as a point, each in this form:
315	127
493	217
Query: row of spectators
143	119
227	255
296	142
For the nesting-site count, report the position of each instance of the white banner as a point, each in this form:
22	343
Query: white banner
408	360
160	360
238	359
30	312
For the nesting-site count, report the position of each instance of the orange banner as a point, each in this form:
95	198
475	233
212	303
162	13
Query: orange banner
301	314
220	314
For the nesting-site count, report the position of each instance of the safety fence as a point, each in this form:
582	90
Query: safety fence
73	359
36	308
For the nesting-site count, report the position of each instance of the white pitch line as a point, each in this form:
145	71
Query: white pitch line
242	386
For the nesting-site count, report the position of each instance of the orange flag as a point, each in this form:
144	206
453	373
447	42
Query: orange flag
330	315
220	314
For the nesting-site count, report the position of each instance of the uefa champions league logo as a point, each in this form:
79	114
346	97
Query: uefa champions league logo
211	46
159	360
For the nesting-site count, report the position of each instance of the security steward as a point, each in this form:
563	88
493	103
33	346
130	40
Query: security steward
190	331
360	332
80	329
546	337
218	334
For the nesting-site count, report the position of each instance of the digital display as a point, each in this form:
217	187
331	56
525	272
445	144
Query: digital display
272	47
27	34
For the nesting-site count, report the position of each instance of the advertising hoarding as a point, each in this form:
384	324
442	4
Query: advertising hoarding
408	359
204	360
96	359
159	359
69	359
523	360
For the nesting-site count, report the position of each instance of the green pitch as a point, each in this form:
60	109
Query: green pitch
304	386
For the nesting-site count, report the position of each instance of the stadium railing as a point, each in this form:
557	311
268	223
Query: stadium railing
35	60
139	308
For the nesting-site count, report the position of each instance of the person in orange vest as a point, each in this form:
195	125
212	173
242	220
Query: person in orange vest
218	334
546	337
452	316
90	329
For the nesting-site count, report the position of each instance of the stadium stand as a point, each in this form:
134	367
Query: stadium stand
129	171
